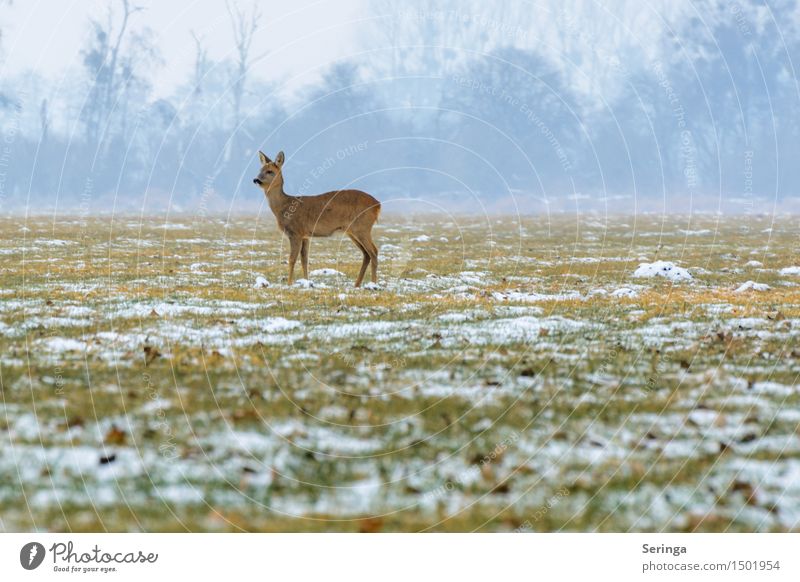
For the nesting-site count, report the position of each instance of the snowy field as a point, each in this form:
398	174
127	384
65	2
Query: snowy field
633	373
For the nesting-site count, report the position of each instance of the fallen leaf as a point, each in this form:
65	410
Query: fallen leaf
502	487
115	436
370	525
150	353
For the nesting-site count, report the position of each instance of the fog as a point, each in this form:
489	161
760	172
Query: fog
503	107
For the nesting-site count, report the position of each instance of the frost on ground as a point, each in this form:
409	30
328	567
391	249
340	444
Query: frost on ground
189	387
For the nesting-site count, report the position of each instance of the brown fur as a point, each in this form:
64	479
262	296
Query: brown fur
352	212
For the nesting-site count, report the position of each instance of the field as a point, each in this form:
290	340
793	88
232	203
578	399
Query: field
505	375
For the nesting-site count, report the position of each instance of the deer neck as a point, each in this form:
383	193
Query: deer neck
278	199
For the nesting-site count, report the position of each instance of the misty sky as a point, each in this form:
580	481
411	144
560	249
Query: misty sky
668	104
295	39
298	39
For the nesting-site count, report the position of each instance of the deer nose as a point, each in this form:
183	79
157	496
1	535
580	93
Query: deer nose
256	181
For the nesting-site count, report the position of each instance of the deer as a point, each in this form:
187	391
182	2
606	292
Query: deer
300	218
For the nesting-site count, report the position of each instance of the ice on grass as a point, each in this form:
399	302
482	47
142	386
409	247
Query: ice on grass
790	271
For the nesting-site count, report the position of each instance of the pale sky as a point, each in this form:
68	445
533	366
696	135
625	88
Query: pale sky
596	76
295	37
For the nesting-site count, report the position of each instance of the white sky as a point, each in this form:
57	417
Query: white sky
296	36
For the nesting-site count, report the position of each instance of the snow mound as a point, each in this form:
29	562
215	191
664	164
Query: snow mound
790	271
326	273
308	284
754	264
372	286
662	269
421	238
752	286
261	283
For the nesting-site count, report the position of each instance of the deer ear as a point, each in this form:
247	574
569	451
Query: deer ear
263	157
279	158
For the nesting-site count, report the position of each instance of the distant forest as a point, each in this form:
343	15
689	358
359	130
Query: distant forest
459	108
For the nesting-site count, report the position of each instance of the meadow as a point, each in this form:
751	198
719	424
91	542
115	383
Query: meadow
506	374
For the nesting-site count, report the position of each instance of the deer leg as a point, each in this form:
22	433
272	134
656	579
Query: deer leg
364	263
304	256
372	250
294	250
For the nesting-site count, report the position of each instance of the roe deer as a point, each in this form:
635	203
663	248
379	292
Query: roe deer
300	217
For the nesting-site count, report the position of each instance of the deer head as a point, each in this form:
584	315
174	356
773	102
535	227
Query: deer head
270	176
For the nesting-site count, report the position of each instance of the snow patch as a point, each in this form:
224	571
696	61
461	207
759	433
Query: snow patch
625	292
326	273
662	269
534	297
308	284
278	324
60	344
752	286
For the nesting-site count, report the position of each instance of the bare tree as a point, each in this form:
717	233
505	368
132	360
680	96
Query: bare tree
390	27
110	68
127	11
44	120
8	3
5	100
244	24
200	62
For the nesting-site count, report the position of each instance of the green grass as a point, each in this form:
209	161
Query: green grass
227	408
